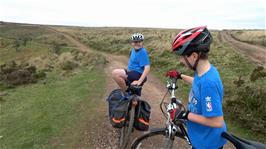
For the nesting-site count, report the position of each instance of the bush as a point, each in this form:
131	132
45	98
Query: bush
12	74
248	106
16	44
66	61
44	63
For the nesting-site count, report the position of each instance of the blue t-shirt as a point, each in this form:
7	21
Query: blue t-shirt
205	99
138	60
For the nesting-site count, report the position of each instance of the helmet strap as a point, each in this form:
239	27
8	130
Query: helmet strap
195	64
189	65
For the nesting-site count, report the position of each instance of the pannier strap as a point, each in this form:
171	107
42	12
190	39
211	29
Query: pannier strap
143	121
118	121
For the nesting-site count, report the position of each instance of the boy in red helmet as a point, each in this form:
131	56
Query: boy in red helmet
205	122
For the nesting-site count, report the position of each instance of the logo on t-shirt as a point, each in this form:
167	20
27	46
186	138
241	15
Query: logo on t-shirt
208	103
194	101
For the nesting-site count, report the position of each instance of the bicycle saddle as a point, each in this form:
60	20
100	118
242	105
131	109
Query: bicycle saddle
241	143
134	88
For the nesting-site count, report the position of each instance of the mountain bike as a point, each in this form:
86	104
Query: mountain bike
175	133
175	128
128	127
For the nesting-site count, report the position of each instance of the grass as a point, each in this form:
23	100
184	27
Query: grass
24	53
257	37
20	43
32	116
55	111
230	63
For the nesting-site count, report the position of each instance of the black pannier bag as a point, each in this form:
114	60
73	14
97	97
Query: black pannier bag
118	108
142	116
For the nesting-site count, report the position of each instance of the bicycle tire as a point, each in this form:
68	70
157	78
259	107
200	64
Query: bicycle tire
154	132
130	127
122	136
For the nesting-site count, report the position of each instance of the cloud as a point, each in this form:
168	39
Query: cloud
137	13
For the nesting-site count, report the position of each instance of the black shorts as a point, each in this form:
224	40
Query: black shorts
134	76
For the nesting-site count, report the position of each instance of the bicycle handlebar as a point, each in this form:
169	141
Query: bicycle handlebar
134	87
175	103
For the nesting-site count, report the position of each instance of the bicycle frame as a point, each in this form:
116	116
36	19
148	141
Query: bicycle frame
178	125
174	127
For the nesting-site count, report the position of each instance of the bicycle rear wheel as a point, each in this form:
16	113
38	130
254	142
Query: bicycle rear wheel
122	136
128	130
157	138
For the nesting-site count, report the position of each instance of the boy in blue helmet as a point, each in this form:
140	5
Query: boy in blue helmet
138	65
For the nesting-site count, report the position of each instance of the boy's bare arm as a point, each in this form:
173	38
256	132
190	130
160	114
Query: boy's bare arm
216	122
187	79
145	73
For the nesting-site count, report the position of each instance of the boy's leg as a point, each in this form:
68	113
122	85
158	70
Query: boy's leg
119	76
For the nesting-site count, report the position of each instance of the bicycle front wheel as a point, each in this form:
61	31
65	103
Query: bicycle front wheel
157	138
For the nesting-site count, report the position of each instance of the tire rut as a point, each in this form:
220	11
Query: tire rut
256	53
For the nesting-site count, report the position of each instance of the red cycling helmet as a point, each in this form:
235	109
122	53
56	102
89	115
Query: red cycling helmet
196	39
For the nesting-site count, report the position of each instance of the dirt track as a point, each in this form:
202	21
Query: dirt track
254	52
103	136
153	91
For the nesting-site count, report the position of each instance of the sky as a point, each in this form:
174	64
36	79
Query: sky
222	14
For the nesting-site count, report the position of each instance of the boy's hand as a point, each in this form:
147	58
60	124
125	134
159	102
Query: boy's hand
136	83
173	74
182	114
